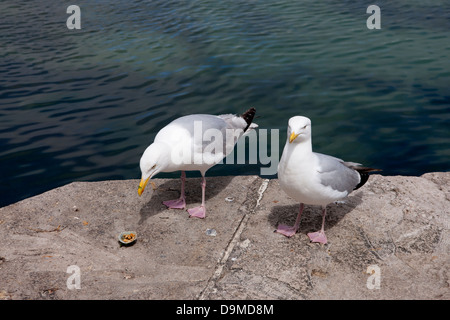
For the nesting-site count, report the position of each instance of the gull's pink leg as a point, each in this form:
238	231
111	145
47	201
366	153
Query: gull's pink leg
290	231
181	202
320	236
200	212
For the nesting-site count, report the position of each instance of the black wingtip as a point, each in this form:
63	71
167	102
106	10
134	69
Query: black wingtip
248	117
364	174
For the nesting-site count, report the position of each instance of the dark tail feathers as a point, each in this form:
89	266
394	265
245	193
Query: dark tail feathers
248	117
364	174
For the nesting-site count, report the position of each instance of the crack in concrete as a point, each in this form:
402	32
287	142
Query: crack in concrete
218	273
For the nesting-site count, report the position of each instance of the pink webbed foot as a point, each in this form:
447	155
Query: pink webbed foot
175	204
179	203
198	212
318	236
286	230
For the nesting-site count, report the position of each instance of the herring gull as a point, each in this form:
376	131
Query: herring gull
314	178
193	142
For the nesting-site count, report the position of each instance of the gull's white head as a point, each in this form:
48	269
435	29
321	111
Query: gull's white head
299	129
151	163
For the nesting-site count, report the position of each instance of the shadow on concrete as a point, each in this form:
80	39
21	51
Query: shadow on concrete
170	189
311	220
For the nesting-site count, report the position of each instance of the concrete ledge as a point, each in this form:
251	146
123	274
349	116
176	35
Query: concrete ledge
398	224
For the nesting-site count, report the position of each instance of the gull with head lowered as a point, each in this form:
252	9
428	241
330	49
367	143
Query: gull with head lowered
193	142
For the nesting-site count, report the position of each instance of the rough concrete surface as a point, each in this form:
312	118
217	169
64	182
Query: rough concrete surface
388	240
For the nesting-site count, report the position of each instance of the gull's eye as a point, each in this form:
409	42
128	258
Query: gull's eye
304	127
154	166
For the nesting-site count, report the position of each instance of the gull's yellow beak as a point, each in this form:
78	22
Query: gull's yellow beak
142	185
293	136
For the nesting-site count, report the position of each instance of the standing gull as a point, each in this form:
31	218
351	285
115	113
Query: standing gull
314	178
193	142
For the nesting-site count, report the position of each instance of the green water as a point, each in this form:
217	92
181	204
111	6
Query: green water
84	104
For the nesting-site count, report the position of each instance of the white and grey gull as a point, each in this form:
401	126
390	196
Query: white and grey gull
193	142
314	178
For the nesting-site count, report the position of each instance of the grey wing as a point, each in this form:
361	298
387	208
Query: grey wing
209	133
206	132
235	127
213	134
334	172
233	121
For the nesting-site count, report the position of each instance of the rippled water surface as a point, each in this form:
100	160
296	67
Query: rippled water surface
84	104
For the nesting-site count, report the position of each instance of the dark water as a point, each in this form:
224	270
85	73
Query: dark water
83	104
